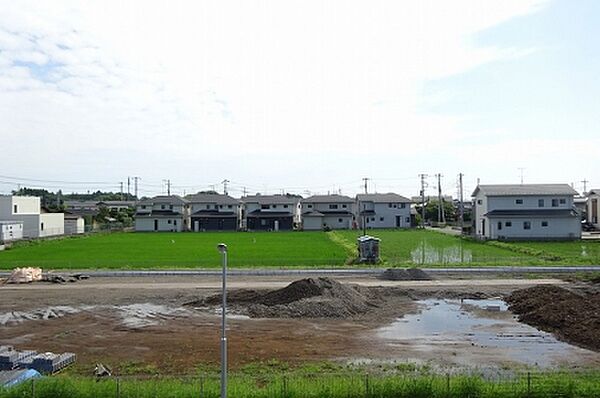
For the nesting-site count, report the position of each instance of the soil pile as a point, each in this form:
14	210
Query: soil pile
408	274
305	298
573	316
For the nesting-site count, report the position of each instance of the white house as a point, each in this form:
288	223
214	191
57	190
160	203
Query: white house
327	212
213	212
528	211
271	212
593	207
36	222
162	214
11	230
383	210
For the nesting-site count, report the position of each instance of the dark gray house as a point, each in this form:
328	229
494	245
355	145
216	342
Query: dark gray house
213	212
271	212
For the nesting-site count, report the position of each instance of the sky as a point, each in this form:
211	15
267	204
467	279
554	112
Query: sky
298	96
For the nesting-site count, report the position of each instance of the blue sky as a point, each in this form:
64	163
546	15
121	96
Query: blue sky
300	96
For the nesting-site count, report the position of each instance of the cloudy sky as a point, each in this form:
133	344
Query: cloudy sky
298	95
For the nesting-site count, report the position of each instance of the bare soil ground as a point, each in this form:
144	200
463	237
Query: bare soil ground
571	313
170	324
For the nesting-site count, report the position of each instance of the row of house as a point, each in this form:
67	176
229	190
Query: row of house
215	212
24	217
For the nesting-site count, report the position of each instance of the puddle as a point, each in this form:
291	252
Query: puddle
427	254
475	328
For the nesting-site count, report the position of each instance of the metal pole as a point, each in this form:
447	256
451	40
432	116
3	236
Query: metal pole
223	249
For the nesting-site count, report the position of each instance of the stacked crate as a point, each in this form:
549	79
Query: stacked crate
52	363
12	359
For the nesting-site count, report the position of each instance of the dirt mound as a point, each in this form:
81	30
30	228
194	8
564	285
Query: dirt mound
573	316
408	274
305	298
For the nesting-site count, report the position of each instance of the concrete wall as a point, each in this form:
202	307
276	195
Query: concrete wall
51	224
529	202
11	230
146	224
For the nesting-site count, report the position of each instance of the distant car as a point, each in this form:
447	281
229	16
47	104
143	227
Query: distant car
587	226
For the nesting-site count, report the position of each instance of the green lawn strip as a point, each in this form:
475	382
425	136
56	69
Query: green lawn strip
566	252
351	384
342	241
177	250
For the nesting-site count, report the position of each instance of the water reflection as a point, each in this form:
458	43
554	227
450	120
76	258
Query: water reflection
427	254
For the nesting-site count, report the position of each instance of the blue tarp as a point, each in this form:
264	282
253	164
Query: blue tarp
11	378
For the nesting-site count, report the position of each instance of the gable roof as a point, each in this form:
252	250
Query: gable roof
328	199
271	199
212	198
173	199
389	197
524	189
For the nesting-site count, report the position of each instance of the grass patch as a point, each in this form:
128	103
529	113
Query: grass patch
353	385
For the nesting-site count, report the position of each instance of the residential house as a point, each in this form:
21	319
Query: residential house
327	212
383	210
214	212
162	214
117	205
82	207
593	207
271	212
11	230
36	221
526	211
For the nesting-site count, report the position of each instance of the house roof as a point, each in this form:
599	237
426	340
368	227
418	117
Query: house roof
271	199
594	192
129	203
212	198
214	214
80	203
266	214
532	213
155	213
173	199
389	197
524	189
328	199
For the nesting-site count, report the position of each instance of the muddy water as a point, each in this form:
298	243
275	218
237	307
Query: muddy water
465	332
427	254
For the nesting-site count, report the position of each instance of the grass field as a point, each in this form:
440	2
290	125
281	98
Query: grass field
286	249
177	250
347	385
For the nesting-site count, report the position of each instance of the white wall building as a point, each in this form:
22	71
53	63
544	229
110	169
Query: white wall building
74	224
11	230
162	214
383	210
528	211
36	222
593	207
327	212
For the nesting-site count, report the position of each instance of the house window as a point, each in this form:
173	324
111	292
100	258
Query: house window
540	202
220	207
174	222
544	223
554	202
230	206
263	222
16	209
389	205
208	206
380	218
265	207
526	224
143	206
285	206
168	221
162	207
367	220
274	206
508	224
372	218
519	201
42	226
171	207
563	201
340	220
407	219
333	206
499	225
403	205
309	206
479	201
344	206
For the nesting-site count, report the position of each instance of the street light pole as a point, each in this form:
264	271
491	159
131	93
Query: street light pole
223	249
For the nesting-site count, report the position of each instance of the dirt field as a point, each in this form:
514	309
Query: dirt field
171	324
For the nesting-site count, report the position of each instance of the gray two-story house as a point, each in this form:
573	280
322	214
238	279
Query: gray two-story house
526	211
271	212
383	210
162	214
214	212
327	212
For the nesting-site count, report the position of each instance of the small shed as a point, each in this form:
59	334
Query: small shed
11	230
74	224
368	249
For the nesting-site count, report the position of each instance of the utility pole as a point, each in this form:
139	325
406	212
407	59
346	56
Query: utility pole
462	206
585	181
521	170
244	191
441	215
128	188
121	189
168	183
224	182
366	180
135	186
222	247
423	184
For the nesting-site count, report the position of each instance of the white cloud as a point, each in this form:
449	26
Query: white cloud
193	79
